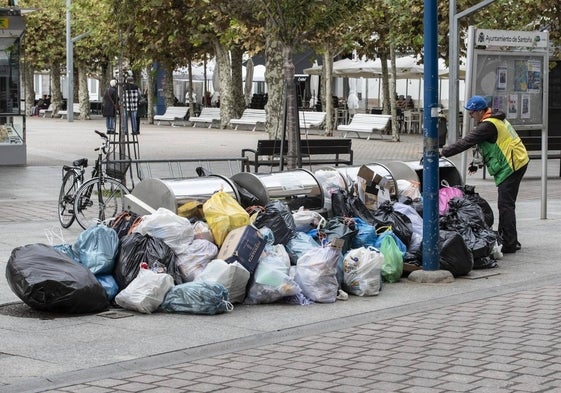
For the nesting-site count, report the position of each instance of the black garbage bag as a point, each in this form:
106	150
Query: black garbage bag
466	218
247	198
48	280
471	195
122	222
455	255
136	248
484	263
278	218
399	222
479	240
461	211
344	204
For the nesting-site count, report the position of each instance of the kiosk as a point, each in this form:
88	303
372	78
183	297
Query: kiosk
12	109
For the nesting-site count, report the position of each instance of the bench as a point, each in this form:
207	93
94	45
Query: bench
172	114
75	110
327	151
366	123
47	112
250	117
208	115
311	120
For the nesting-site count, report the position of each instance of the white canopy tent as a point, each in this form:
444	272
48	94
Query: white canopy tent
408	72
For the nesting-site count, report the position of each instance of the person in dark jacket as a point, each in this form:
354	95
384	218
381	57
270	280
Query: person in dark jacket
110	106
505	157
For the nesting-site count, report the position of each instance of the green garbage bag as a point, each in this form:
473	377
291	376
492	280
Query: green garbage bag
392	268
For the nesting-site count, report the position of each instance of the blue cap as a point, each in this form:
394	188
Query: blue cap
476	103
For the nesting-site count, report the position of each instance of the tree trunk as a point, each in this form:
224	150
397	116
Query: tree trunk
28	73
83	94
327	96
190	102
169	98
274	80
393	88
385	83
56	92
294	160
150	92
225	77
238	99
329	110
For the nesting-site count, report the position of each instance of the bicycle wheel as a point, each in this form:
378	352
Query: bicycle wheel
97	200
70	184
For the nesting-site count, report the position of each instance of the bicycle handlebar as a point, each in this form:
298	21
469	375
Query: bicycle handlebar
101	134
103	146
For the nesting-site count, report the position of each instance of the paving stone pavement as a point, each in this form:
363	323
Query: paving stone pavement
495	331
507	343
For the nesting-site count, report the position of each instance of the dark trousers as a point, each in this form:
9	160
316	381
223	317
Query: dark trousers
506	203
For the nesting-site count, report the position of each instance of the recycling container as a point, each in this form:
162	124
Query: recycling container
296	188
172	193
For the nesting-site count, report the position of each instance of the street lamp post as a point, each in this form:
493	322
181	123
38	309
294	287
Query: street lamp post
69	65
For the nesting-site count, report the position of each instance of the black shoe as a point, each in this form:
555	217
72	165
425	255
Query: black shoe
110	132
518	246
136	133
508	250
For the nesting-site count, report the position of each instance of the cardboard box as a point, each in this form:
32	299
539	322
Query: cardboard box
243	245
376	188
374	179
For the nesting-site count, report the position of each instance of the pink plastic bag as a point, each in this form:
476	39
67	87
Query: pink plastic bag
445	194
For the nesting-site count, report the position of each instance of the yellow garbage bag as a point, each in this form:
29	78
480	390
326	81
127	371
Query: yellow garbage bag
222	214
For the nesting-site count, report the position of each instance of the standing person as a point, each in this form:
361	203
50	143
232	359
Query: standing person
506	159
131	98
110	106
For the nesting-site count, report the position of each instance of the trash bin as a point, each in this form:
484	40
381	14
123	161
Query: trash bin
172	193
350	174
296	188
413	171
330	179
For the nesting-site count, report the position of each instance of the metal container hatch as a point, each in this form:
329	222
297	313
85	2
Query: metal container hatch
296	188
172	193
413	170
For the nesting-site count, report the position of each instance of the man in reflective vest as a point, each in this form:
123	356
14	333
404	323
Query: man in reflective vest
506	159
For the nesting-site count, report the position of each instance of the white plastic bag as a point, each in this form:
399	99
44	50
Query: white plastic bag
307	219
408	188
416	224
316	274
362	271
233	276
146	292
191	263
177	232
271	281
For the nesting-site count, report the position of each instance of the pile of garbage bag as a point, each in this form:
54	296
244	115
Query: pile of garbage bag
222	253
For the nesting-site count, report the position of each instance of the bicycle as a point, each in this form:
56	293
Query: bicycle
72	179
107	190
